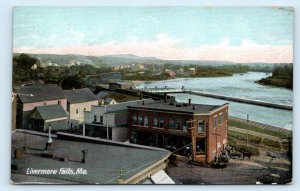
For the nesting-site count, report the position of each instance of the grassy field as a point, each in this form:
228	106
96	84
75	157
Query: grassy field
257	140
250	127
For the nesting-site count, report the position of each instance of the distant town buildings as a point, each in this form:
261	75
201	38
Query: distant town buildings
171	73
192	71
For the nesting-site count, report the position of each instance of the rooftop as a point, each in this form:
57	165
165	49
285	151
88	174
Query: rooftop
51	112
178	107
37	93
103	162
124	105
80	95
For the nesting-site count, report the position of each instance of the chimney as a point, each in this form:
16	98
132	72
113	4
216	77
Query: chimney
49	143
190	101
84	153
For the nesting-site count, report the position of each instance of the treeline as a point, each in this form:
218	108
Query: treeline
282	76
215	71
27	70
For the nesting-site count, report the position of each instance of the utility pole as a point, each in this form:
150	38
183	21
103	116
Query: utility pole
247	129
191	128
216	134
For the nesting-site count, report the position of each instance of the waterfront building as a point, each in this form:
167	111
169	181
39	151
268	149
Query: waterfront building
202	128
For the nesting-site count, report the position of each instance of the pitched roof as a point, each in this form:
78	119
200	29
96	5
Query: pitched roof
102	94
108	100
179	107
51	112
37	93
80	95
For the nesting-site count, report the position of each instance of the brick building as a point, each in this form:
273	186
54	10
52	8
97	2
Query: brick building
202	128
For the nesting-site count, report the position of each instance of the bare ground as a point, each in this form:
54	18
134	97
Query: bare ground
238	171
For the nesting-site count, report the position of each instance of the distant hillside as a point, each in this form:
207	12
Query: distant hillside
127	59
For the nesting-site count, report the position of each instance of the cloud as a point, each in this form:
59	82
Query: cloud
166	47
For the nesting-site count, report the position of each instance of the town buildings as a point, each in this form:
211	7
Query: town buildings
44	117
30	97
180	126
192	71
109	121
78	101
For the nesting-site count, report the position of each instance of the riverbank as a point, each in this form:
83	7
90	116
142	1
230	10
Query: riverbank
282	76
276	82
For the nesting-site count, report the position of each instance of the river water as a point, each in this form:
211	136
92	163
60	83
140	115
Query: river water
240	86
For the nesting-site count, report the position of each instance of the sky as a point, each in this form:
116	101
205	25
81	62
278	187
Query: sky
237	34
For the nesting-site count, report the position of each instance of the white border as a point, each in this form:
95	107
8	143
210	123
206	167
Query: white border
6	72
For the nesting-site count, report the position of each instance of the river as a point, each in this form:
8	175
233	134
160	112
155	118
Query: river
240	86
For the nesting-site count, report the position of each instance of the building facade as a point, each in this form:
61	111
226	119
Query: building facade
29	97
43	117
109	121
179	126
79	100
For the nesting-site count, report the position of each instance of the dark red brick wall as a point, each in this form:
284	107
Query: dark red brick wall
209	132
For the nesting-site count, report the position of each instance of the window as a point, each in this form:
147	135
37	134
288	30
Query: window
134	119
178	124
76	111
201	126
171	123
58	102
101	119
215	121
140	117
221	119
146	121
95	118
184	125
161	122
155	121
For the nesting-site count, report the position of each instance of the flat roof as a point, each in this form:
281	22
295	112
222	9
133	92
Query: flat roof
178	107
103	162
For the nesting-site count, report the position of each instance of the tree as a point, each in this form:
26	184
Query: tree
71	82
